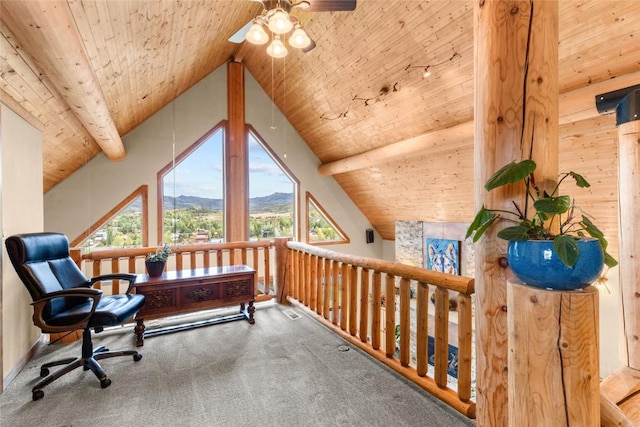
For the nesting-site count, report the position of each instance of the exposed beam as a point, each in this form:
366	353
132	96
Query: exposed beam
574	105
446	139
46	32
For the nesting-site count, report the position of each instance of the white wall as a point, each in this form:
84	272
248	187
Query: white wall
304	165
79	201
22	212
75	204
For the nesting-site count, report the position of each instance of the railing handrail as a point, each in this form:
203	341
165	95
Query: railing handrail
177	249
462	284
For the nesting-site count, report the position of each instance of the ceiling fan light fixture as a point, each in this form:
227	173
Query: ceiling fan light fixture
277	49
257	34
279	22
299	38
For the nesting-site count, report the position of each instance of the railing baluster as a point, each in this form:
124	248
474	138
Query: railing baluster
390	315
376	295
115	284
97	272
335	286
464	346
326	298
179	261
319	285
441	339
353	300
405	321
344	303
364	304
267	272
313	283
422	332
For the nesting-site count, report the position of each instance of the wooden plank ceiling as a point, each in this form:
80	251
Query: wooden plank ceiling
361	88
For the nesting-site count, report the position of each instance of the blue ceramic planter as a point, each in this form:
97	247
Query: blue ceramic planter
535	263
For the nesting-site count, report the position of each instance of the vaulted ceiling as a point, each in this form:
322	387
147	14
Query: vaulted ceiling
86	72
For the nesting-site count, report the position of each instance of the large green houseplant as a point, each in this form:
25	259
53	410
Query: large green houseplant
549	211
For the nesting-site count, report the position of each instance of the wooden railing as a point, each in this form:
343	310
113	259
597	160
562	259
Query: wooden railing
351	295
257	255
354	295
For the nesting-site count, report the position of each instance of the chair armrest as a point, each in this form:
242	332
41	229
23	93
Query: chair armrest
39	306
131	278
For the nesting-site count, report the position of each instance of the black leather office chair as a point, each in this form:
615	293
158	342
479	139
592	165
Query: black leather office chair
63	301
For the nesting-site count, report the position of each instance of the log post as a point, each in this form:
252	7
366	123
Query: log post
629	246
236	160
282	270
553	357
516	117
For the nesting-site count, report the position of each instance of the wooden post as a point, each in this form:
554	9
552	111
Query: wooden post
629	247
236	170
553	357
516	117
282	270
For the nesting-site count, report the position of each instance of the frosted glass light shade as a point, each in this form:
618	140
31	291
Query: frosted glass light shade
277	49
279	22
299	38
257	34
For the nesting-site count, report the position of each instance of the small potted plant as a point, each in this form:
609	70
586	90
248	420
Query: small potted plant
566	259
155	261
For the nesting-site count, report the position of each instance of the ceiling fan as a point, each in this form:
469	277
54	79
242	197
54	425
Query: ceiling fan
276	19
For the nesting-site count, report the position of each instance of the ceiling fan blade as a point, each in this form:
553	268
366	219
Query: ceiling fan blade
330	5
239	36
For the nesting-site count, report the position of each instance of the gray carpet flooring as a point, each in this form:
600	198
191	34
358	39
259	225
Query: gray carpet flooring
278	372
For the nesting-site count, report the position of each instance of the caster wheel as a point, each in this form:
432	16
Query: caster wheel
38	394
137	357
44	372
104	383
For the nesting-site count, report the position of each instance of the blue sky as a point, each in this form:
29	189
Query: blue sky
200	174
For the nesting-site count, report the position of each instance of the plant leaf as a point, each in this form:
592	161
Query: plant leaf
516	233
481	218
580	181
553	205
508	174
609	260
566	248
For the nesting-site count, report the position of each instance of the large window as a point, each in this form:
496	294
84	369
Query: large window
191	190
272	193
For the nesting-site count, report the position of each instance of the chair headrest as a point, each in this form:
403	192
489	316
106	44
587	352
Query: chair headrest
33	247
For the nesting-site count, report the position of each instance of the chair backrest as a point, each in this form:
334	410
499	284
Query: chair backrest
44	265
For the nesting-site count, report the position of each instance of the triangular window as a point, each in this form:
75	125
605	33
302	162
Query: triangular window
124	226
321	228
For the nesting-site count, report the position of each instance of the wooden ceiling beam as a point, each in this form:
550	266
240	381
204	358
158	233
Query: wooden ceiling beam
47	33
434	142
574	106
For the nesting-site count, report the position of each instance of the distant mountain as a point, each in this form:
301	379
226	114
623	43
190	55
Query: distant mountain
276	202
183	202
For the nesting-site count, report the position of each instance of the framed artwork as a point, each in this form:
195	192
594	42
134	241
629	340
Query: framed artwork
443	255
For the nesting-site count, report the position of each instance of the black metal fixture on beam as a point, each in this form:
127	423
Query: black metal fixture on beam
625	102
628	110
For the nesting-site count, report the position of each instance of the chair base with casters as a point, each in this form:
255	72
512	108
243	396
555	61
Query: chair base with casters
88	361
65	301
